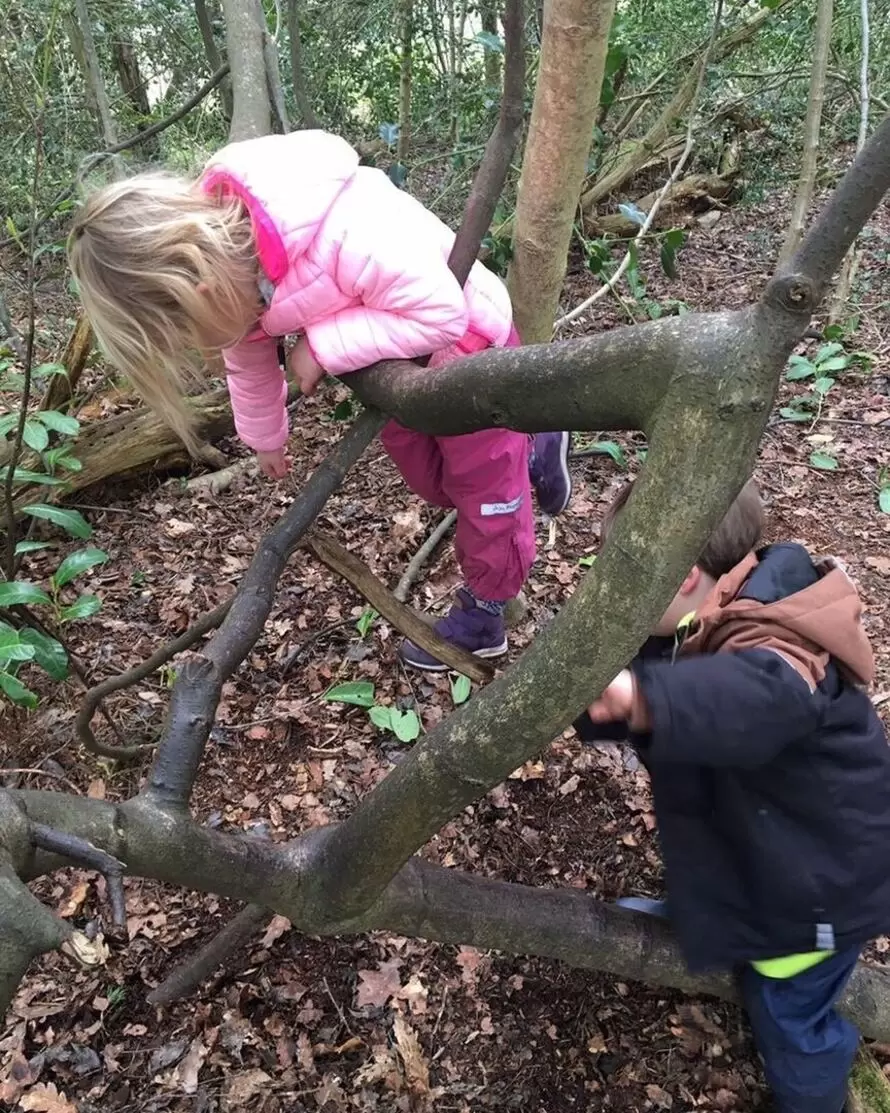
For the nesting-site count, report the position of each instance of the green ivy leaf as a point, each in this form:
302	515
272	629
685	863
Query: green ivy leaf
610	448
823	385
16	592
791	414
823	461
405	725
59	423
838	363
35	435
12	649
588	561
7	423
71	520
85	607
43	370
357	692
884	499
17	691
460	689
827	351
799	368
23	475
381	717
47	652
31	547
76	564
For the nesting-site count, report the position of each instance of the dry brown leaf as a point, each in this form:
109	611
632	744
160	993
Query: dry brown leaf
305	1056
45	1098
415	994
879	564
660	1098
186	1074
381	1068
417	1071
242	1087
277	927
176	527
377	986
571	784
96	791
406	524
468	959
19	1076
73	903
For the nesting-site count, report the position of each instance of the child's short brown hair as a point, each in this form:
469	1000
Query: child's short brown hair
735	537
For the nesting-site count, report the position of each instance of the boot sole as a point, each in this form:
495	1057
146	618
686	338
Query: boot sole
490	651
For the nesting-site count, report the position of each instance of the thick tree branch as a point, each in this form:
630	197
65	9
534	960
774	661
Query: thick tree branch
423	900
85	854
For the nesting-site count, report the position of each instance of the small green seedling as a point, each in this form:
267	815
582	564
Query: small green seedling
405	725
460	689
365	621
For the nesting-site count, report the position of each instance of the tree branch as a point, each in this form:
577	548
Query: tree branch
423	900
197	689
332	553
422	555
95	695
85	854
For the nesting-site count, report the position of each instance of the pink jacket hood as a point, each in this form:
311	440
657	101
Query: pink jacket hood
288	204
356	265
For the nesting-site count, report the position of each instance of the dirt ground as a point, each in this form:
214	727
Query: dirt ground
387	1023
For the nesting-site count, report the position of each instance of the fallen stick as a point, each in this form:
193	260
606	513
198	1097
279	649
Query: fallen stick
422	555
340	560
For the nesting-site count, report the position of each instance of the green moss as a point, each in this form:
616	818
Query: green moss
870	1087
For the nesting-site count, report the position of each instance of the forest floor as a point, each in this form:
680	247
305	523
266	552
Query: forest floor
308	1024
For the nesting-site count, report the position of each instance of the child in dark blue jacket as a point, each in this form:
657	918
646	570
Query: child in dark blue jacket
770	772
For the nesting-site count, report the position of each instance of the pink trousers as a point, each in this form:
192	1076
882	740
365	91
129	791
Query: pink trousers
484	476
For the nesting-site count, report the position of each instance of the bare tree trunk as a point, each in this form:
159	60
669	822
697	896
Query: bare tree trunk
488	13
273	72
214	58
94	80
126	62
806	183
298	69
570	74
251	112
851	263
406	12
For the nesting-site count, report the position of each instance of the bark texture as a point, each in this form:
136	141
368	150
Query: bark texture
570	75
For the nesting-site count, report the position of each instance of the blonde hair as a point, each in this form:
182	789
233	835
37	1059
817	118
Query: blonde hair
139	250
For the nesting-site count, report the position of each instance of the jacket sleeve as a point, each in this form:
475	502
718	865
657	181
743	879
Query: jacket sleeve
730	709
258	391
590	732
411	303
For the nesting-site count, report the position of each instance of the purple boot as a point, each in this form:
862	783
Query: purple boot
466	625
548	469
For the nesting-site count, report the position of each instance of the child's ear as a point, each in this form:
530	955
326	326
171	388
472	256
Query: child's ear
693	579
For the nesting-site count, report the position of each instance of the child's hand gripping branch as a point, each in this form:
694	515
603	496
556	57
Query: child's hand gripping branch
308	373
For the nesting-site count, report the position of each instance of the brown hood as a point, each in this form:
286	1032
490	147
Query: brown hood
808	626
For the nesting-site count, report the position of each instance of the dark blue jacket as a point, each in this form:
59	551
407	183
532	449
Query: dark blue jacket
770	768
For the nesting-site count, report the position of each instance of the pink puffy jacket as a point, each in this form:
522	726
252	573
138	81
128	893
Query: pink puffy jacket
357	265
